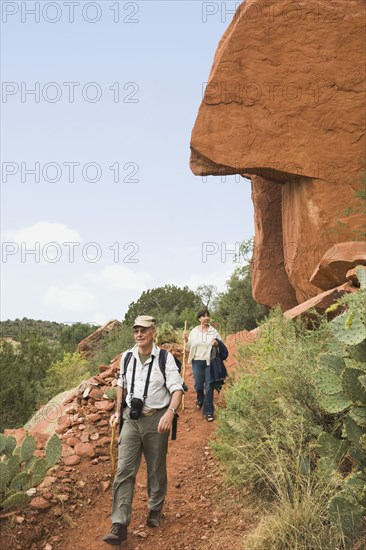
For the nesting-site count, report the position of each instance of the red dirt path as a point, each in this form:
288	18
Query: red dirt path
197	515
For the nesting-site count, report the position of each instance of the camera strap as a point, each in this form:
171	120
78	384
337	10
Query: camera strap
147	377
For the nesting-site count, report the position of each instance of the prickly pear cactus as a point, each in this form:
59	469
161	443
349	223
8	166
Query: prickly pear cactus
340	382
20	470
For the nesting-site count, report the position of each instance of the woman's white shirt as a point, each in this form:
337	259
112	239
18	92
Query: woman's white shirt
200	343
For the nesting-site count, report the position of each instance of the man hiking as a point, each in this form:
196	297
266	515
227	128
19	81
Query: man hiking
152	399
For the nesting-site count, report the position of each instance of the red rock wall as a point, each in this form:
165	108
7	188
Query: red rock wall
284	102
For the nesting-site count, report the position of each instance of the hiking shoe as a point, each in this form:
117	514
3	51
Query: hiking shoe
154	518
117	534
198	405
210	418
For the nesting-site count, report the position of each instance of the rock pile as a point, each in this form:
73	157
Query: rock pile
87	345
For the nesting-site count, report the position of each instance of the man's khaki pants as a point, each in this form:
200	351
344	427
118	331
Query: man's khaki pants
137	437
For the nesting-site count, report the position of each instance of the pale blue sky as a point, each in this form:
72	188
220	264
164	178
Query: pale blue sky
166	56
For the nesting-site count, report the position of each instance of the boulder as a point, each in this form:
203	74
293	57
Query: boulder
320	303
340	258
283	106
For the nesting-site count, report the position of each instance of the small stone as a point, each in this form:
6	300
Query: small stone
40	504
142	534
93	417
48	547
72	460
104	485
104	441
72	441
85	450
81	427
104	405
19	519
94	437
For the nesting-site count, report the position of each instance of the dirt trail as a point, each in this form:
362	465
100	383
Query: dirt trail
195	516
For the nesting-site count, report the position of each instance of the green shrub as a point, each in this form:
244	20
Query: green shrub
270	434
65	374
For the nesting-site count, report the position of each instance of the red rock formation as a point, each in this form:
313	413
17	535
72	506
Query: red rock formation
88	344
284	106
333	267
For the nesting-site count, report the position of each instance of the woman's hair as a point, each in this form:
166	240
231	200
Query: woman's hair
202	313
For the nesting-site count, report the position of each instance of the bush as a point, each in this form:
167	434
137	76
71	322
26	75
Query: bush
65	374
267	436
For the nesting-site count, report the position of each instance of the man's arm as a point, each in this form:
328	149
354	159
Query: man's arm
115	418
166	420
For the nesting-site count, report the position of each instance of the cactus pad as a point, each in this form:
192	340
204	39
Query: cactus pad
39	471
361	275
329	446
328	382
11	443
334	362
3	440
4	476
351	385
358	352
17	500
27	447
13	464
53	450
334	404
351	333
358	414
346	512
352	431
20	482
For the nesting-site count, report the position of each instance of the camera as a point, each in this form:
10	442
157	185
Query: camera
136	408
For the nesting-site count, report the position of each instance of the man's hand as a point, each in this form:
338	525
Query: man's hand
166	422
214	343
114	419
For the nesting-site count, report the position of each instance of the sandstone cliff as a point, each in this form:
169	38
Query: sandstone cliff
284	107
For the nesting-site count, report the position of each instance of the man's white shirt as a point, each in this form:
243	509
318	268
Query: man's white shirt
159	391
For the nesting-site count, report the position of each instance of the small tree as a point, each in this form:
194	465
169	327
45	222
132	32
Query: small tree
165	304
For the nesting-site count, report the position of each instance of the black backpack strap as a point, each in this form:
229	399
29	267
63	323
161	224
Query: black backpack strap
162	362
126	361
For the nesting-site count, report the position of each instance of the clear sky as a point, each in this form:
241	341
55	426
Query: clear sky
98	104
